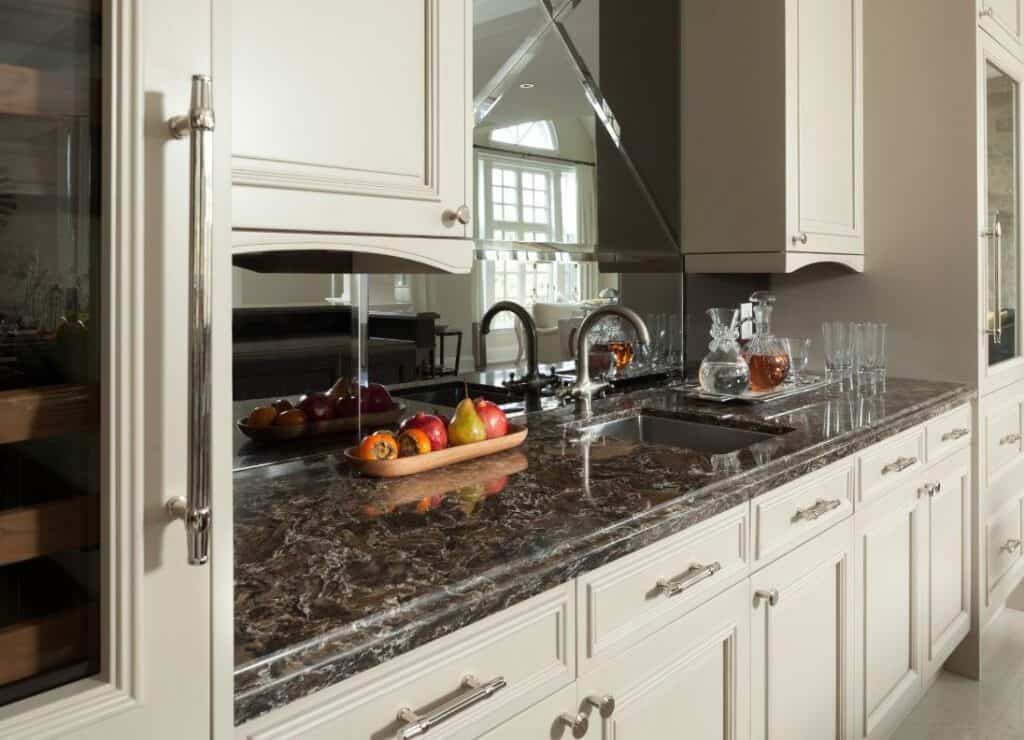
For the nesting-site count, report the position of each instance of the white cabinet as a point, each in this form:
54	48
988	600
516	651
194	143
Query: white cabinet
801	641
688	680
947	591
352	117
889	574
1003	19
783	146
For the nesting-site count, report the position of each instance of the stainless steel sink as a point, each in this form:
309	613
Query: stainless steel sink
711	439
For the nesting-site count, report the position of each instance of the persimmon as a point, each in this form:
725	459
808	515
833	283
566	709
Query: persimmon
379	446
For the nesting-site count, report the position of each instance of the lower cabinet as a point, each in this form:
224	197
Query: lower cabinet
889	572
801	641
688	680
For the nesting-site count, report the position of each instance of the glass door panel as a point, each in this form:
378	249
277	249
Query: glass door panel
50	289
1002	229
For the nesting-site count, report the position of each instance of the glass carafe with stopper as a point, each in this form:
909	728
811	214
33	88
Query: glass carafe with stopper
724	370
765	353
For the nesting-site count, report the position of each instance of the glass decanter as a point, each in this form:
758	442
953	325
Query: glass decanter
723	369
765	353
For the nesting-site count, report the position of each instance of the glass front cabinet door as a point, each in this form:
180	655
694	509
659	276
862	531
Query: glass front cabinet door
999	215
104	623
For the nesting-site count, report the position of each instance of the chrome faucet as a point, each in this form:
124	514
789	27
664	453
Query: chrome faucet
585	388
532	378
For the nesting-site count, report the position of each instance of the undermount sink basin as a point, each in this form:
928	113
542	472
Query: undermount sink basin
651	429
448	395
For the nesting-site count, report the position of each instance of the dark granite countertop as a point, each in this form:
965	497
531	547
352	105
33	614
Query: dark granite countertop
335	574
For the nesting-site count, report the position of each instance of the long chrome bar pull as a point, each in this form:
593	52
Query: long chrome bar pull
198	126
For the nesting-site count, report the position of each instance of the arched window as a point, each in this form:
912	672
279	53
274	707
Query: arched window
530	135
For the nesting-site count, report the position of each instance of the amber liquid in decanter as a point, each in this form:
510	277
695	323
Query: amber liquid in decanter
767	371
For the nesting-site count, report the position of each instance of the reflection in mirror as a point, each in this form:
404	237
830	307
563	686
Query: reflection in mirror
551	164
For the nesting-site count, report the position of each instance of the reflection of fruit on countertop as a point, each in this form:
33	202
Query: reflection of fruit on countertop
467	427
470	496
290	418
261	417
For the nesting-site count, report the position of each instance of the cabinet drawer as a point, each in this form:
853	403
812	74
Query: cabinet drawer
949	433
889	463
538	722
1002	440
626	600
797	512
530	646
1003	543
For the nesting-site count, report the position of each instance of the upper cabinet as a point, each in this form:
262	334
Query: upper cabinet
351	117
1003	19
772	135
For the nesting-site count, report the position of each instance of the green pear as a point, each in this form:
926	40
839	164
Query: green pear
467	426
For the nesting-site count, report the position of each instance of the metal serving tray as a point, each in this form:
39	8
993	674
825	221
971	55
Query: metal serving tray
808	383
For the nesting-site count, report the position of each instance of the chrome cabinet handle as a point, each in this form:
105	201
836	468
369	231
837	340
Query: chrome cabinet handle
579	724
899	465
198	125
460	215
605	704
958	433
417	726
693	575
800	238
986	12
1011	546
996	233
816	510
770	595
1010	439
931	489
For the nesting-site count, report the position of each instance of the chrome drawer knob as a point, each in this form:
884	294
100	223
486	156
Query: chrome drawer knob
460	215
800	238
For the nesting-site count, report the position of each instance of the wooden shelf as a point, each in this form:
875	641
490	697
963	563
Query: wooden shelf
37	645
44	529
49	411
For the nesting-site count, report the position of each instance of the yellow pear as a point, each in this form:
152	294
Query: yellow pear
467	426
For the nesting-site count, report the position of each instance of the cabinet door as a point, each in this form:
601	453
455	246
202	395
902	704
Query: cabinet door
351	116
999	207
824	115
889	575
801	642
541	721
1002	19
688	680
947	605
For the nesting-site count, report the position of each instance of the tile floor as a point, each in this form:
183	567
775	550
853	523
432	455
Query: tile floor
957	708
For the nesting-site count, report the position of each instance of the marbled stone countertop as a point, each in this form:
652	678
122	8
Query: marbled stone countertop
335	574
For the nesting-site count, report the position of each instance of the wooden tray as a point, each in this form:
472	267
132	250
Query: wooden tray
320	428
404	466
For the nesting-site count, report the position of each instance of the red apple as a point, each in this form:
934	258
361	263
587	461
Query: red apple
347	406
318	407
435	429
494	419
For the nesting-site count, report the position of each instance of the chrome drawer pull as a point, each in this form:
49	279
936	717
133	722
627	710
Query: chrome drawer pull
603	703
958	433
578	724
1011	546
1010	439
770	595
694	575
900	465
816	510
417	726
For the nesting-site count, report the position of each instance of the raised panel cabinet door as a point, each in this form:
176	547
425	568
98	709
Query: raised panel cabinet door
948	594
824	101
351	116
688	680
801	651
889	575
1002	18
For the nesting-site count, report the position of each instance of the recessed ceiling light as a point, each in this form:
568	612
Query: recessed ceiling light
527	85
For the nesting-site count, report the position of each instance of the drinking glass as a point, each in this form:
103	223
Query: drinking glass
870	360
838	336
799	350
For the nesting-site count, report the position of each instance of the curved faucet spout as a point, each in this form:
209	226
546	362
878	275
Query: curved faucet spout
530	327
585	388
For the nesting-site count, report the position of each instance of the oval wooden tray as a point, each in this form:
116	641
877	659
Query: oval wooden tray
404	466
320	428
